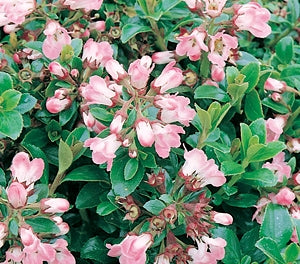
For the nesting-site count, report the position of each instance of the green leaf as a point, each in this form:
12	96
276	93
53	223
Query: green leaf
94	249
79	134
232	249
106	208
246	135
6	82
275	106
261	177
292	253
65	156
245	58
36	152
2	178
13	227
130	169
40	191
66	115
35	45
37	137
42	225
291	75
121	186
205	120
277	224
231	168
258	128
231	74
259	152
285	49
211	92
270	248
149	161
10	99
251	71
293	10
89	196
86	173
11	124
26	103
154	206
101	114
253	108
77	46
130	30
243	200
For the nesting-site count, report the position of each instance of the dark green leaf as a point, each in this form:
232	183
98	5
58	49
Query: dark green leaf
13	227
154	206
26	103
94	249
130	169
292	253
42	225
211	92
101	114
86	173
11	124
89	196
258	128
66	115
106	208
231	168
270	248
293	10
130	30
285	49
6	82
243	200
261	177
2	178
251	71
277	224
253	108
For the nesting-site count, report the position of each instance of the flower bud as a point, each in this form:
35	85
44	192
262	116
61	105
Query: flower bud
54	205
17	195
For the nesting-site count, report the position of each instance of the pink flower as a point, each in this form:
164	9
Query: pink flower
139	72
3	233
115	70
56	38
98	25
132	249
222	218
144	132
165	138
293	145
26	171
279	167
17	195
192	44
117	123
217	73
163	57
59	102
56	69
97	92
275	85
87	5
214	7
91	123
254	18
199	172
103	149
194	4
54	205
29	239
275	127
175	108
63	226
296	178
284	197
169	78
260	207
63	255
203	256
220	48
162	259
96	54
15	254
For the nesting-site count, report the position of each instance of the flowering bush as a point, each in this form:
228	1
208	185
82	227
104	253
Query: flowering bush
149	131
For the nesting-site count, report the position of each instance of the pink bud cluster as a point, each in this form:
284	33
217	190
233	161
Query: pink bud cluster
32	247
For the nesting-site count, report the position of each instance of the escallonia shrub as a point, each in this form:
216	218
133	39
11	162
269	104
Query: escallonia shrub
149	131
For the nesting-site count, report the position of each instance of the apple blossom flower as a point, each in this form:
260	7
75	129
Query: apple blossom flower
91	123
163	57
62	254
279	167
56	38
17	195
87	5
275	127
214	7
275	85
63	226
192	44
3	233
98	25
217	73
194	4
174	108
220	46
59	102
96	54
276	97
221	218
132	249
201	255
56	69
252	17
169	78
139	72
117	123
54	205
293	145
198	172
97	92
14	254
162	259
260	208
103	149
285	196
115	70
166	137
144	132
296	178
26	171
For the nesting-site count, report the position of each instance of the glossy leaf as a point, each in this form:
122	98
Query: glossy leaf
11	124
251	71
211	92
130	30
253	108
26	103
270	248
130	169
6	82
285	49
65	157
154	206
10	99
260	178
106	208
42	225
86	173
89	196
